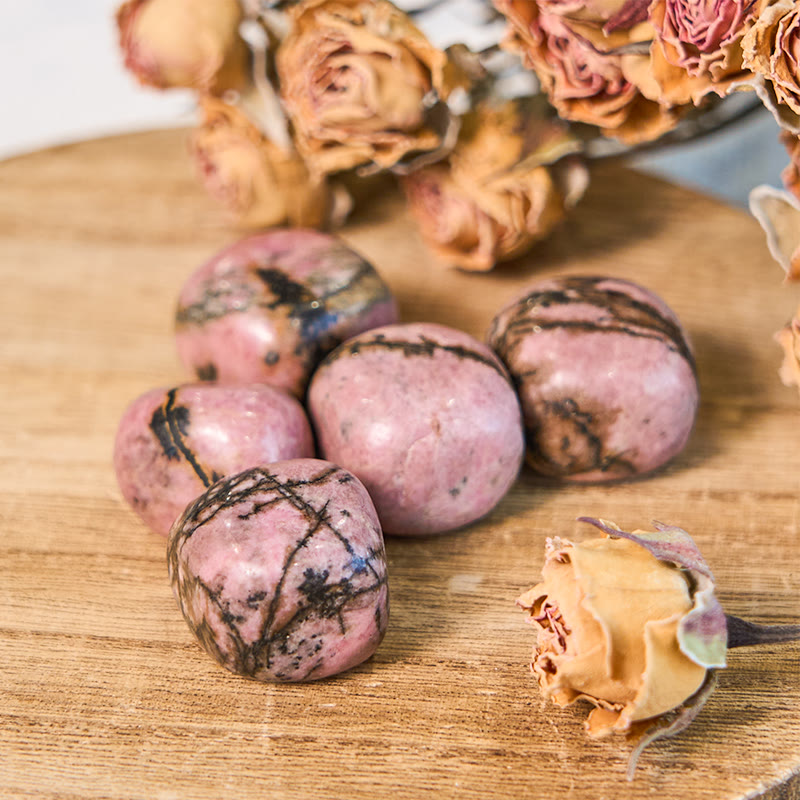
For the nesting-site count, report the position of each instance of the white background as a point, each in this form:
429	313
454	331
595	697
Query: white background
63	81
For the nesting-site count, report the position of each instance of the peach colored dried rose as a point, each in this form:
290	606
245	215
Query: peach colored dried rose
258	182
187	43
590	75
362	84
771	49
628	622
500	190
789	339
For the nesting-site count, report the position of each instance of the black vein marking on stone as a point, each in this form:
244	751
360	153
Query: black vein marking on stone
219	298
170	424
206	372
324	602
285	291
626	315
567	411
424	347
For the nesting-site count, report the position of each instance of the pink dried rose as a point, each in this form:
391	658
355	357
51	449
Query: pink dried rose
362	85
789	339
771	49
630	623
600	78
260	183
702	42
504	187
184	43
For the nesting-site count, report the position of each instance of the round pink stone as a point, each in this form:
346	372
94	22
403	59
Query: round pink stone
269	307
172	444
426	417
605	376
280	571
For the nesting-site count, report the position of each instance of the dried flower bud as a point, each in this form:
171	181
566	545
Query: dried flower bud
362	84
628	622
260	183
188	43
789	339
771	49
501	189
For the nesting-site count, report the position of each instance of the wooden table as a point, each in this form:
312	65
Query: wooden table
103	692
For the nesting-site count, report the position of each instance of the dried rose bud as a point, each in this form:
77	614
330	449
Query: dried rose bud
188	43
789	339
260	183
361	84
504	187
628	622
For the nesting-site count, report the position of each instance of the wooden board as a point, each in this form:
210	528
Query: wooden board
104	692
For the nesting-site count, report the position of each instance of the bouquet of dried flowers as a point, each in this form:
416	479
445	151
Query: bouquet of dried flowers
296	98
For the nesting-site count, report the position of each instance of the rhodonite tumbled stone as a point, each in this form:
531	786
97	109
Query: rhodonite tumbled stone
267	308
280	571
172	444
426	417
605	375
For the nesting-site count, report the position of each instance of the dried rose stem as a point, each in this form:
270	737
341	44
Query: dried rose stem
742	633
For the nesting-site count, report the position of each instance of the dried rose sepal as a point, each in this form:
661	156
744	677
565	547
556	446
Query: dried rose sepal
702	633
670	724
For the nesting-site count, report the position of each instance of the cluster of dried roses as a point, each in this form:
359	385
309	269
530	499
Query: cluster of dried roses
295	100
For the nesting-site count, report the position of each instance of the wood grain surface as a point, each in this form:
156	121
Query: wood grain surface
104	693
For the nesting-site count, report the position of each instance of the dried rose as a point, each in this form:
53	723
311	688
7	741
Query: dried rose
703	38
504	187
260	183
630	623
362	84
778	213
789	339
189	43
600	78
771	49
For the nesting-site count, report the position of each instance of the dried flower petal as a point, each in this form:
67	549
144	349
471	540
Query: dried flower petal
778	213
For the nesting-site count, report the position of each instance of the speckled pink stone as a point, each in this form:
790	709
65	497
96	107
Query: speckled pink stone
426	417
280	571
605	375
269	307
172	444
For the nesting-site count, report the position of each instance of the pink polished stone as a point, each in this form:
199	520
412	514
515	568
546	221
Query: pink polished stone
426	417
172	444
269	307
605	375
280	571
